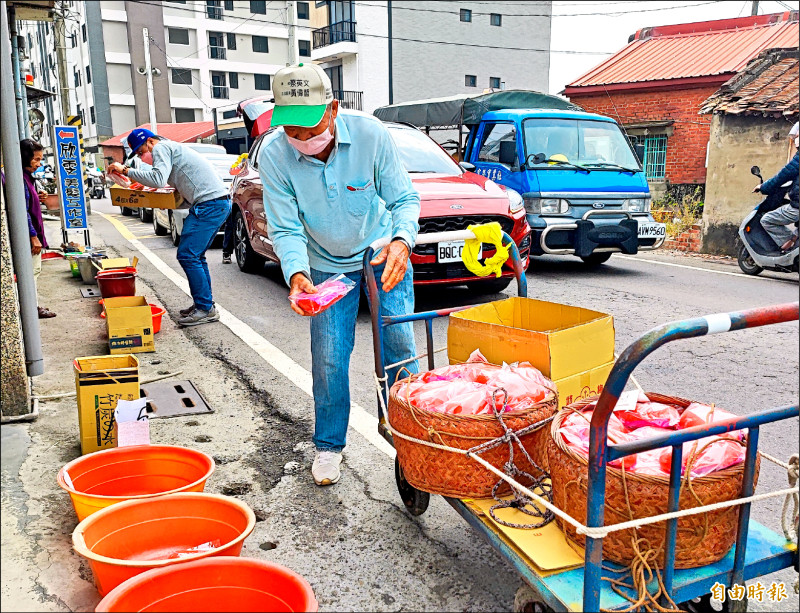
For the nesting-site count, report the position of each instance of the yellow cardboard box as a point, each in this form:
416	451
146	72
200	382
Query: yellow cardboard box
583	385
99	382
111	263
559	340
163	198
129	321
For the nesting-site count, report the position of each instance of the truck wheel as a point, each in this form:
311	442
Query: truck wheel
145	215
246	257
596	259
125	211
493	286
747	263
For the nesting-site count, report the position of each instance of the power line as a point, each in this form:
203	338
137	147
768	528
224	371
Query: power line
431	42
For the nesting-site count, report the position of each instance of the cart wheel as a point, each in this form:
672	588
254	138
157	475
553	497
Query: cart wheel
528	600
416	501
704	604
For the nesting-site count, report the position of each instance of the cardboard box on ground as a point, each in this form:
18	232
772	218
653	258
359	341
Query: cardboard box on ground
100	381
129	322
572	346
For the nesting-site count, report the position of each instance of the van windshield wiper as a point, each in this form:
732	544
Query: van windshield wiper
538	160
633	171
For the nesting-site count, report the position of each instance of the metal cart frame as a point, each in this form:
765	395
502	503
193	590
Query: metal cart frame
764	551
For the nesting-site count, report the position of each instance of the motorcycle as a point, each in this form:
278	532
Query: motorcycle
96	184
759	251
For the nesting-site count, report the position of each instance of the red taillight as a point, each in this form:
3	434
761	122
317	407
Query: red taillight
747	228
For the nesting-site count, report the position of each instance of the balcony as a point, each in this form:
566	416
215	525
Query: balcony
216	53
334	41
348	99
219	91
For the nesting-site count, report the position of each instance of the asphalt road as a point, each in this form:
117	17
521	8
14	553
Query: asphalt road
744	371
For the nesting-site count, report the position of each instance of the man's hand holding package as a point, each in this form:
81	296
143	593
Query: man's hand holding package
299	284
118	168
395	254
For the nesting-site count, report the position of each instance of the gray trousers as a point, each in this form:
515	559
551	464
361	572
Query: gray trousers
776	223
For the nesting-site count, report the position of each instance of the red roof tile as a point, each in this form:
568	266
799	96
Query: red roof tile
179	132
693	50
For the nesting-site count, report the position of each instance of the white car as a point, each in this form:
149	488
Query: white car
171	220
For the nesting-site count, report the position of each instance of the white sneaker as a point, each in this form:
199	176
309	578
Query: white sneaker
325	468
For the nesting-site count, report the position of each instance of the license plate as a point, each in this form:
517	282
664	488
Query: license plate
652	229
451	251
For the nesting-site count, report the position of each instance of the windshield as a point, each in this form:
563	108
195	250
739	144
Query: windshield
202	148
579	141
421	154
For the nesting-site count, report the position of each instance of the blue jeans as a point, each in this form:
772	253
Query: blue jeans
199	230
332	338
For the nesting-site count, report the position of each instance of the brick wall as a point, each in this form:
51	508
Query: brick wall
689	240
686	148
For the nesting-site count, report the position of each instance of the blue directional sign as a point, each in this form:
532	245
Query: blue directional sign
69	175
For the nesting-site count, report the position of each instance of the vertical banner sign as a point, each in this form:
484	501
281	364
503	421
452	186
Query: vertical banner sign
69	175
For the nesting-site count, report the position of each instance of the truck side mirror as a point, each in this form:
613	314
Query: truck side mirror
537	158
508	153
467	166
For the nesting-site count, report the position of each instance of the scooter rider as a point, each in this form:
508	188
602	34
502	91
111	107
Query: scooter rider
776	222
195	179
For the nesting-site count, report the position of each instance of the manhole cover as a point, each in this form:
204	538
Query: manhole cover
90	292
173	399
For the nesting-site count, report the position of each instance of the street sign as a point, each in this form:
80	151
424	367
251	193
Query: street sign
69	178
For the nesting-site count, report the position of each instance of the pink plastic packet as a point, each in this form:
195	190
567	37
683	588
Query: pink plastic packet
329	292
712	453
119	179
697	414
650	414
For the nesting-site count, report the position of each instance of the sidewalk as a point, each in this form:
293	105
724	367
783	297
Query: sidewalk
40	570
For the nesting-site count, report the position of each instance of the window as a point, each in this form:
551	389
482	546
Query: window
495	19
73	39
258	6
465	15
83	31
302	10
177	1
494	82
77	75
304	47
219	88
233	77
231	40
88	75
228	114
214	9
178	36
216	45
470	80
184	115
260	44
494	137
228	5
181	76
91	114
262	81
655	155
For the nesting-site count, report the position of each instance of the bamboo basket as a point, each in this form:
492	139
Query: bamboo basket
703	539
453	474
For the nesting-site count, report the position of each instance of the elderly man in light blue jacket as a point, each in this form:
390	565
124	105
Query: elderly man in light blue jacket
333	184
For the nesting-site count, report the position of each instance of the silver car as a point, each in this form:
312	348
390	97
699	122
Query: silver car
171	220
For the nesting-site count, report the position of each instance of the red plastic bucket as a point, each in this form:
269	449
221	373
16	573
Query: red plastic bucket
156	310
129	538
214	584
115	283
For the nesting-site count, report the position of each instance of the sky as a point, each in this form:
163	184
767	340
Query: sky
591	38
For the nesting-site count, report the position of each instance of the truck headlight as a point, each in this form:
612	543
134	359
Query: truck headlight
551	206
533	205
515	202
637	205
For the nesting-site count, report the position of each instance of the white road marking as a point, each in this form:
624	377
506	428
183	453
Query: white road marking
360	420
716	272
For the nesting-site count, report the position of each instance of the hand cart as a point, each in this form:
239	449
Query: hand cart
579	589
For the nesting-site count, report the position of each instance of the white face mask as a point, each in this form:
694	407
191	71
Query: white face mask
312	146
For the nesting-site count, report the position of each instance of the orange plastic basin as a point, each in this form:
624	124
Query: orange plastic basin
107	477
131	537
214	584
156	310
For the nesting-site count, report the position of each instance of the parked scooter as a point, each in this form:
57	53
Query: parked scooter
95	183
758	251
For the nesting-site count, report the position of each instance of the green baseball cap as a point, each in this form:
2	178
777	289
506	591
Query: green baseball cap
302	93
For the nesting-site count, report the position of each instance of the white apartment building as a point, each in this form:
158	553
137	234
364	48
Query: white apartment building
207	55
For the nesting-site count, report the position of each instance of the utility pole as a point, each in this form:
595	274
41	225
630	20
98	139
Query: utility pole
16	68
151	101
61	59
754	10
291	22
